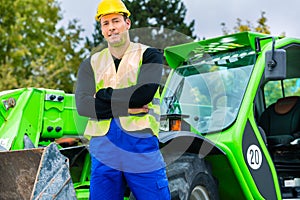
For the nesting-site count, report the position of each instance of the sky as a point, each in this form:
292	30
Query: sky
282	16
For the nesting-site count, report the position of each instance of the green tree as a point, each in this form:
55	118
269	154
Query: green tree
34	51
262	27
241	26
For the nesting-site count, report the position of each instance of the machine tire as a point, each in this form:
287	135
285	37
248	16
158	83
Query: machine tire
190	179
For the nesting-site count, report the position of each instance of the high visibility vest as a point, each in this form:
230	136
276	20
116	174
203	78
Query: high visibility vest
126	76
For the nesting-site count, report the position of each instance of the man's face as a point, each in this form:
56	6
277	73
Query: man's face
115	29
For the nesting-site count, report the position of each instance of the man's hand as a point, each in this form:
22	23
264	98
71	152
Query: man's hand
134	111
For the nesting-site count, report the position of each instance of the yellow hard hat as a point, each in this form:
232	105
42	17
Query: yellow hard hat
111	6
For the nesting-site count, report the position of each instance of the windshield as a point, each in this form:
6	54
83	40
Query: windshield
210	91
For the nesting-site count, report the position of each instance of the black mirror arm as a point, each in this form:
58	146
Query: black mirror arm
272	63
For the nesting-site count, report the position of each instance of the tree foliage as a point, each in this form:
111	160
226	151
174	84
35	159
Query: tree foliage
273	90
241	26
34	51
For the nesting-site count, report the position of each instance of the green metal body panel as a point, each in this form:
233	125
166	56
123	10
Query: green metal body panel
36	115
176	55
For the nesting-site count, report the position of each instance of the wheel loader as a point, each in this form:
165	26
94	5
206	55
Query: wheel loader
230	126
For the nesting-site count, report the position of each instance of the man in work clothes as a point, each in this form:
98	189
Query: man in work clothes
117	88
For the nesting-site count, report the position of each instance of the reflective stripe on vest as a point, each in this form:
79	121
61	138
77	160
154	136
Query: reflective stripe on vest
126	76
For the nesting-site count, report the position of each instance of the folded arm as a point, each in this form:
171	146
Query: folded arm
109	102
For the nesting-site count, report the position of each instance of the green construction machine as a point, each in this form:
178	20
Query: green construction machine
41	146
230	126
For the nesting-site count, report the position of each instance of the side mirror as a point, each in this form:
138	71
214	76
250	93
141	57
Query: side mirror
275	65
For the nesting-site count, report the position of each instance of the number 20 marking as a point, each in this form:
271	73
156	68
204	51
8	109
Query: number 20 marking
254	157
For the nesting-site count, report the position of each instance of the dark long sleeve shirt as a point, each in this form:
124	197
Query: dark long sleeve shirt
109	102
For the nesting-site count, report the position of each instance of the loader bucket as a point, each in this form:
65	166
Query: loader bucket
40	173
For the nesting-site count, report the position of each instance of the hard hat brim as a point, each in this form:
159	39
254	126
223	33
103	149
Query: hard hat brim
98	17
